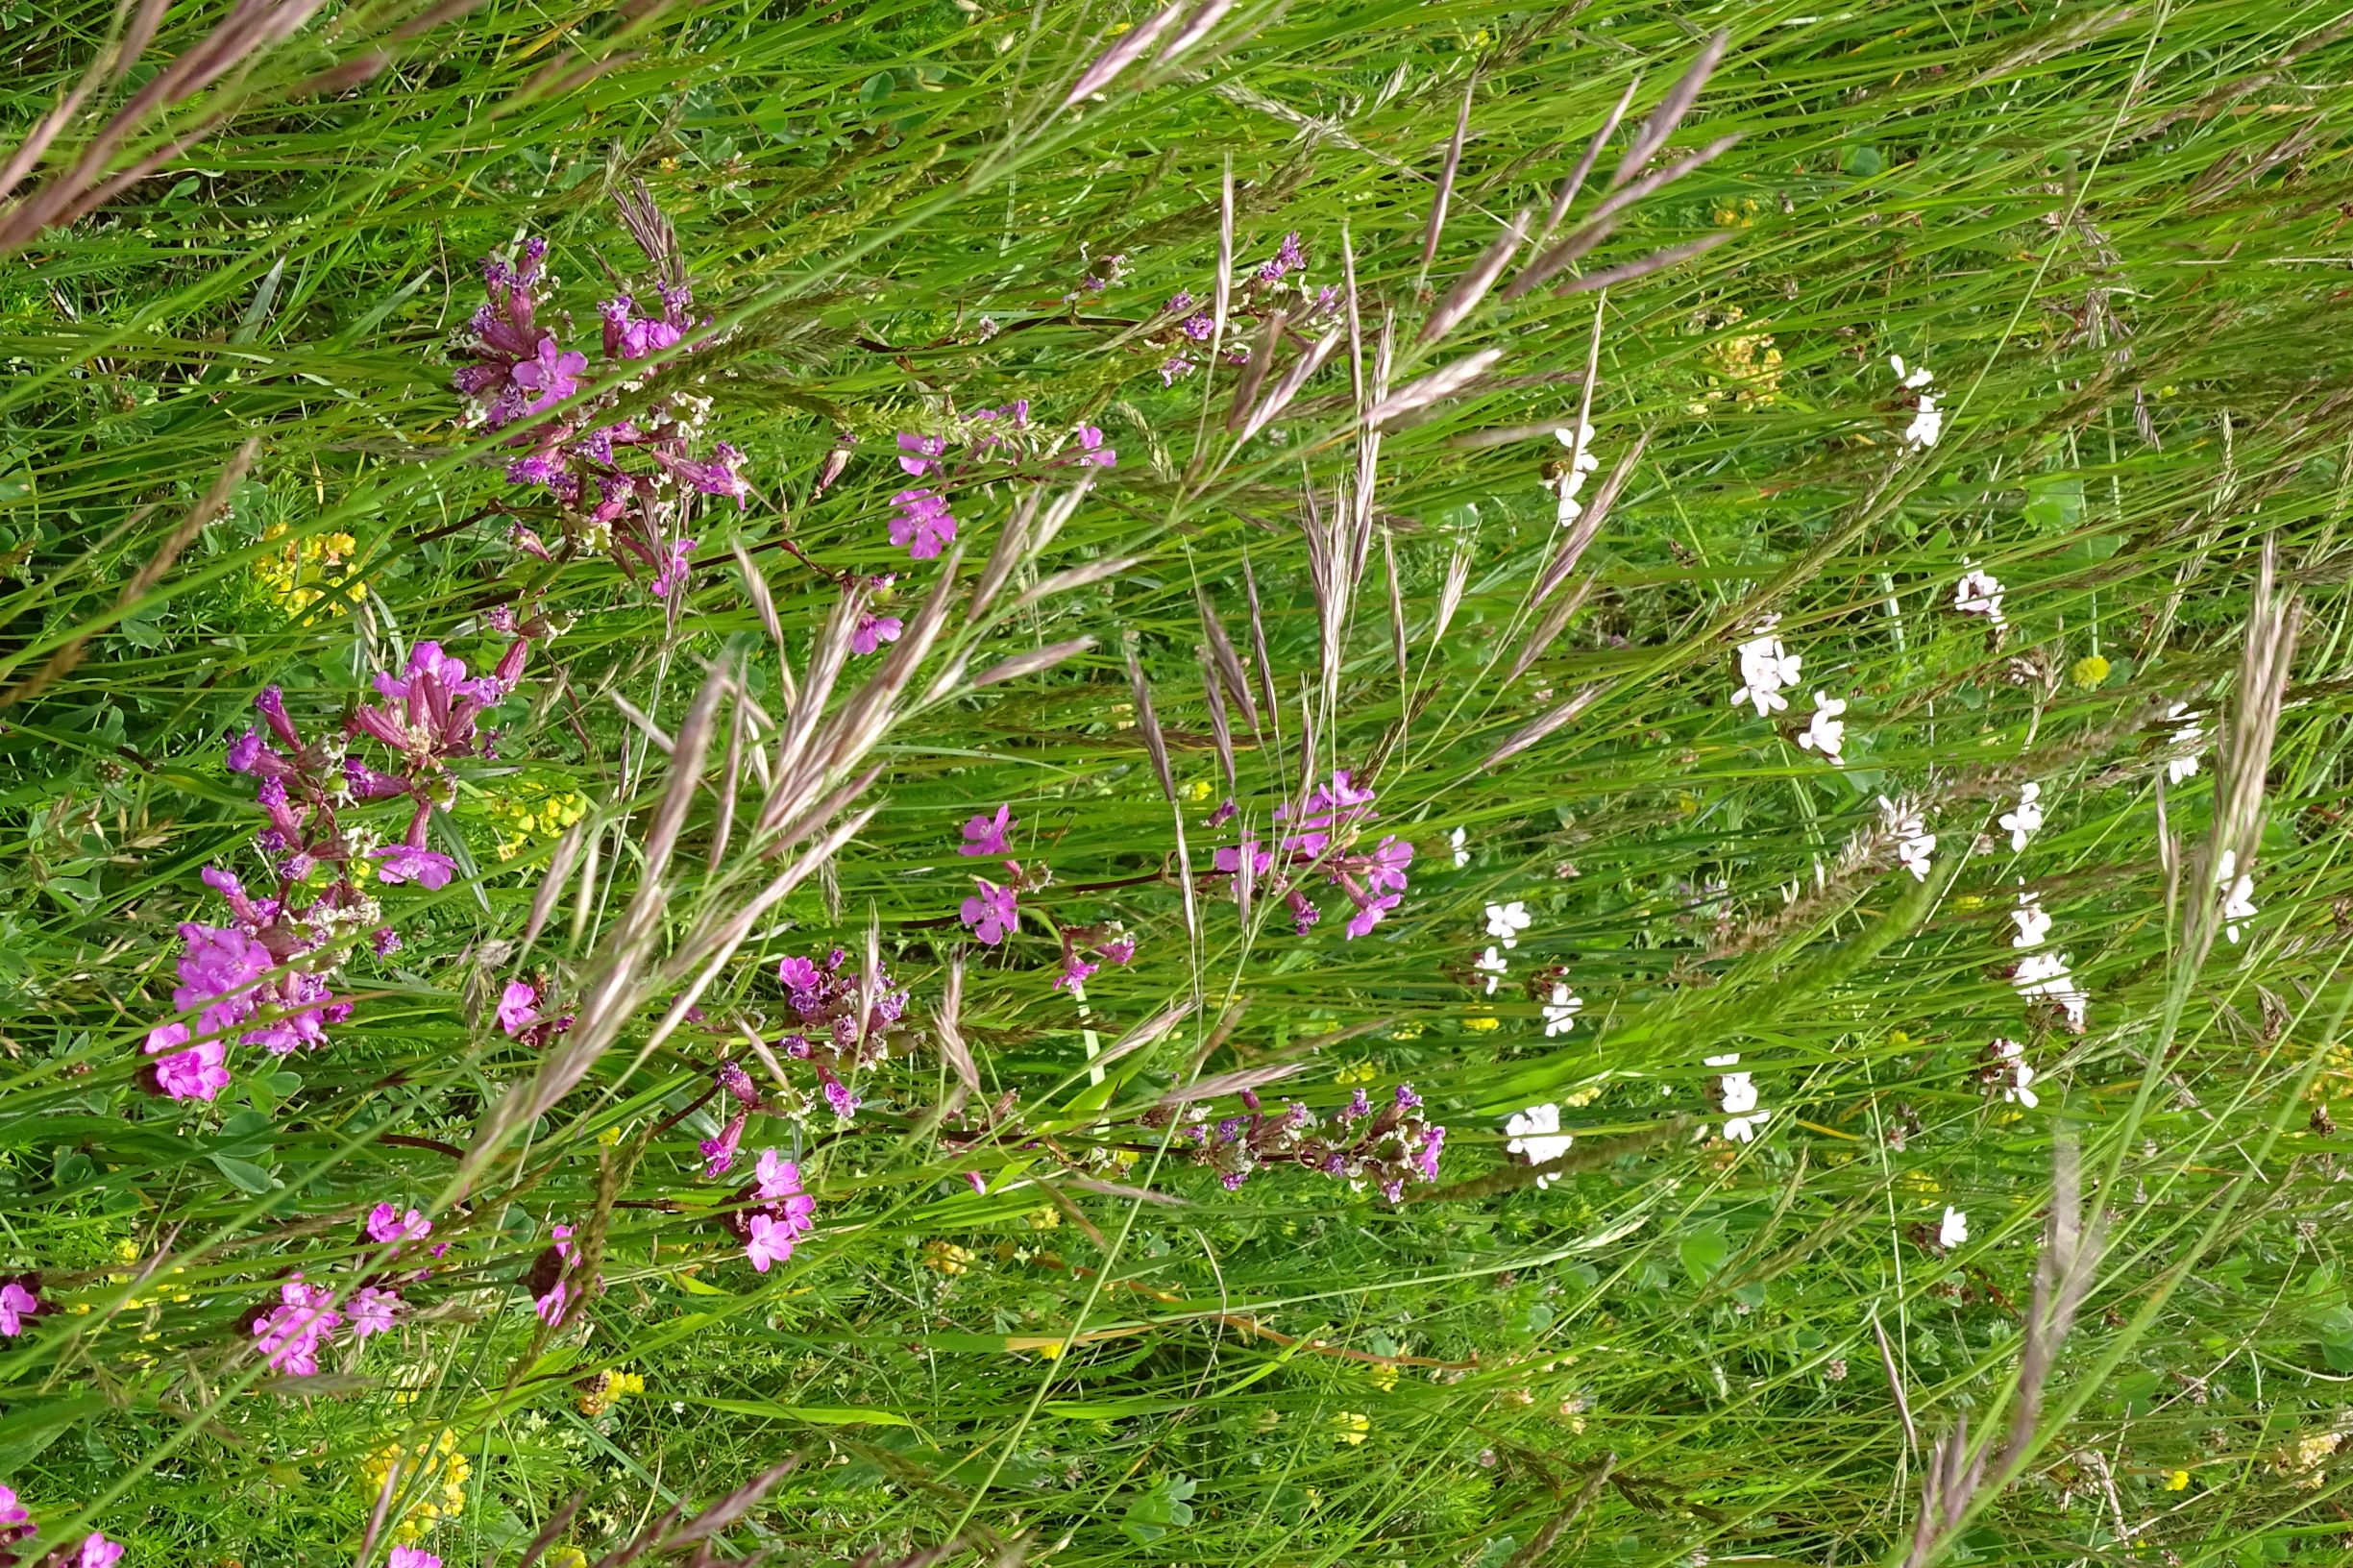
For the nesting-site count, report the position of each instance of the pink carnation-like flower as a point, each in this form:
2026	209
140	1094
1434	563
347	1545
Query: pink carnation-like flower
95	1551
985	834
386	1223
198	1073
428	869
373	1311
413	1556
16	1305
923	526
518	1007
873	631
991	912
771	1243
551	373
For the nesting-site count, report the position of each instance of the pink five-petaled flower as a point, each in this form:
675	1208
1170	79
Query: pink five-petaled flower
778	1186
291	1333
198	1073
412	1557
985	834
677	562
873	631
923	526
1092	452
916	451
798	975
16	1304
517	1008
428	869
771	1243
373	1311
386	1223
94	1551
551	373
16	1519
991	912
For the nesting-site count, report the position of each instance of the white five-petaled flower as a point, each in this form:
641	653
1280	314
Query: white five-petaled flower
1454	842
1767	669
2189	739
2012	1074
1505	921
1827	732
2033	923
1536	1136
1560	1013
1736	1096
1955	1229
1978	593
1572	476
1913	843
1928	420
2026	820
2238	892
1492	965
2045	976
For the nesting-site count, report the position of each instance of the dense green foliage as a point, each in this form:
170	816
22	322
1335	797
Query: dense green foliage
1029	1326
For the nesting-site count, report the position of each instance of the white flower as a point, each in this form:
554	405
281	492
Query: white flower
1767	669
1730	1060
2011	1072
1738	1092
1827	733
1505	921
1913	845
1736	1095
1536	1136
2045	976
1978	593
1454	841
2027	819
1927	423
1560	1013
1492	965
1572	478
2237	895
1955	1229
2033	924
1920	377
1741	1129
2189	739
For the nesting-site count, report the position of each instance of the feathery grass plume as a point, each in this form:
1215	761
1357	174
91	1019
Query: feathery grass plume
1447	381
1671	111
1037	661
1205	16
1450	595
1287	389
2063	1277
1581	534
1460	300
1254	374
1626	272
1234	681
1446	179
1570	188
1121	55
2267	659
1543	1541
1555	621
1397	606
1544	723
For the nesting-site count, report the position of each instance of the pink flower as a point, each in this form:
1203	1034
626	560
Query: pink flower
719	1153
675	565
429	869
373	1311
873	631
1093	452
517	1008
291	1335
386	1223
797	974
991	912
412	1557
1076	972
16	1304
771	1243
776	1176
1387	872
551	373
12	1514
979	1182
95	1551
917	453
985	834
217	962
923	526
1120	952
1368	915
198	1073
550	1307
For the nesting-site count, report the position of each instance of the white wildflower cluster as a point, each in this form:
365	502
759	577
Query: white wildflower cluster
1928	420
1505	921
1491	964
1767	669
1560	1013
1914	845
1954	1231
2045	975
1736	1095
2024	820
2189	739
1569	477
2006	1069
1536	1136
1827	732
1979	593
2237	894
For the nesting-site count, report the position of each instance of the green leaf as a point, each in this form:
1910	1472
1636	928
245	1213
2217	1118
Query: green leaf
1703	1252
816	1415
243	1174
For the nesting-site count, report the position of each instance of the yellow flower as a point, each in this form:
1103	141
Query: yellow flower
424	1466
1045	1218
566	1556
1356	1072
945	1257
1483	1026
127	1250
1198	790
1384	1376
2178	1481
2090	671
310	571
1350	1427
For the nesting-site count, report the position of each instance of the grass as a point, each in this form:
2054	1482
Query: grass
2115	235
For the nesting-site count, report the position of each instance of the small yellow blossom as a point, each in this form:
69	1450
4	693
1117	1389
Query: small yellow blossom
2178	1481
1350	1427
1384	1376
1198	790
310	571
945	1257
127	1250
1356	1072
431	1479
1044	1218
1482	1024
2090	671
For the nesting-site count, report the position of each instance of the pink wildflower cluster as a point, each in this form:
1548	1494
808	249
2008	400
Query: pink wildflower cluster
620	485
844	1020
1110	942
1277	284
993	912
305	1320
556	1288
20	1301
520	1017
1387	1149
1323	838
92	1551
772	1214
428	717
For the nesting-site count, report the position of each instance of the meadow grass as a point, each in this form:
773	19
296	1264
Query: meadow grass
1735	1318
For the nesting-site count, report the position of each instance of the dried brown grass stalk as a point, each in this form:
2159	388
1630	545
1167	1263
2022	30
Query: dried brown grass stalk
1446	176
1472	287
1670	111
1536	730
